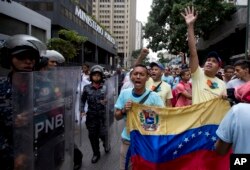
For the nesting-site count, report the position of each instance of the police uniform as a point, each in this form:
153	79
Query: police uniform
6	125
96	118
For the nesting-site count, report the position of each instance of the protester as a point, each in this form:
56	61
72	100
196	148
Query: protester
167	77
234	129
127	83
94	95
138	94
184	89
121	75
85	71
242	72
205	84
156	84
20	53
228	73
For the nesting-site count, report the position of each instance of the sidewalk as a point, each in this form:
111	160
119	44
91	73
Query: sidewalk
109	161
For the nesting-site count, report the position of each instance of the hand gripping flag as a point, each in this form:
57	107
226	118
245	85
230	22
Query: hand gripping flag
176	138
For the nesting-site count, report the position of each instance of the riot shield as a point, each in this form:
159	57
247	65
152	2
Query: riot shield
111	96
48	103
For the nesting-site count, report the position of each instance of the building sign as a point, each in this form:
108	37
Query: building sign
88	20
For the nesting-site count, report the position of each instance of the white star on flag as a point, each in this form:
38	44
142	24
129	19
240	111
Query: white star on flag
207	134
186	140
213	138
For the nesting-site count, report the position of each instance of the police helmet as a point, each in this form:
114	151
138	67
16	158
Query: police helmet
54	55
20	43
97	69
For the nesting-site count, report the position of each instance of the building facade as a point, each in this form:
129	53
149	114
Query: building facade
119	17
16	19
139	35
100	48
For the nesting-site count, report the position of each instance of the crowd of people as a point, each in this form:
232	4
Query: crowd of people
154	85
184	86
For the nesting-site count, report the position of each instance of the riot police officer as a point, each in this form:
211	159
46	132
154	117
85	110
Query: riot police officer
94	94
50	60
19	53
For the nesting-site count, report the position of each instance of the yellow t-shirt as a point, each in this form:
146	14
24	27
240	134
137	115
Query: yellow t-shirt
205	88
164	90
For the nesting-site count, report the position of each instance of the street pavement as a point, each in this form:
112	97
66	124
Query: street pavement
108	161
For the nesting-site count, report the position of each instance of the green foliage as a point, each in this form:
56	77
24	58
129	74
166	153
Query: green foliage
146	61
166	28
68	44
162	60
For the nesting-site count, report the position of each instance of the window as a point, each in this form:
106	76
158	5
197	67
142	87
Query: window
11	25
39	33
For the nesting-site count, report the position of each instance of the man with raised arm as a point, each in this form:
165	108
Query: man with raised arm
206	85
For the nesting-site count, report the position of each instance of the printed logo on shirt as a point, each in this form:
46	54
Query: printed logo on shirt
212	85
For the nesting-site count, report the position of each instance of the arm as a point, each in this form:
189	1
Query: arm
183	58
190	18
168	103
222	147
83	100
186	94
143	54
120	113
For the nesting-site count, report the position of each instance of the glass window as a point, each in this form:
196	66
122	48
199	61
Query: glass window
12	26
39	33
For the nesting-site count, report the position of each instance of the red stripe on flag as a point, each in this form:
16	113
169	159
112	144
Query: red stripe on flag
199	160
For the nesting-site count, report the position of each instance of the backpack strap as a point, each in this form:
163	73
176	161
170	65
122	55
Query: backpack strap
144	98
157	86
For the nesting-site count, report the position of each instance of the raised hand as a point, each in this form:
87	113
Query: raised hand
144	52
190	15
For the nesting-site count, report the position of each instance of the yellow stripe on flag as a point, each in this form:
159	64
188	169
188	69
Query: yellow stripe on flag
151	120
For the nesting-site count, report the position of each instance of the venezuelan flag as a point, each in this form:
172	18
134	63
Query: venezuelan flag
176	138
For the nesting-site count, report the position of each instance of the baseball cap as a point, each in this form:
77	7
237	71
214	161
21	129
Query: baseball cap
215	55
161	66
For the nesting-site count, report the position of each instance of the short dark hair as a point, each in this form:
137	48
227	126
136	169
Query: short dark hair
243	64
140	65
183	71
85	65
227	67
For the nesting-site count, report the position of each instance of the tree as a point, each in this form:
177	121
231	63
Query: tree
166	28
68	44
163	60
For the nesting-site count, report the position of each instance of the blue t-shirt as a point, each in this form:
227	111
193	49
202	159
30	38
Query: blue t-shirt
235	128
126	94
168	79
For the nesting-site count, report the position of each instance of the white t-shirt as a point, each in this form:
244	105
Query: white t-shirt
234	83
235	128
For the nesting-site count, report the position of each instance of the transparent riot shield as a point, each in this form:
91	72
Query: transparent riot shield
22	109
47	100
111	96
